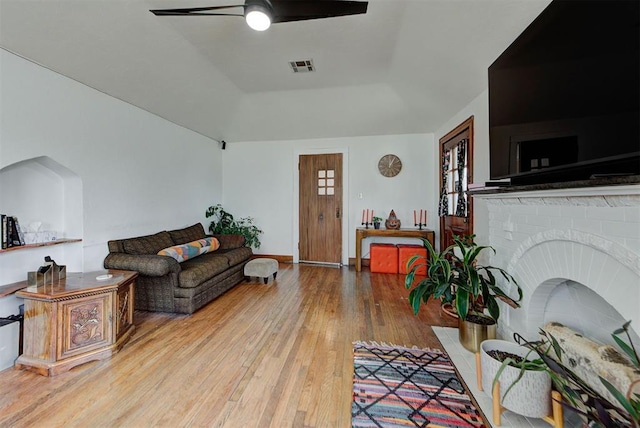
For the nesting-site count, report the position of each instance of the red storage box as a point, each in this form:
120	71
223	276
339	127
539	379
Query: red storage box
405	252
384	258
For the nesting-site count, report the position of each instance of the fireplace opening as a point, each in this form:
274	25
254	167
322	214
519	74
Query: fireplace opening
583	310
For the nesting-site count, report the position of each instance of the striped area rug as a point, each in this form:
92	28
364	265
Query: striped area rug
402	387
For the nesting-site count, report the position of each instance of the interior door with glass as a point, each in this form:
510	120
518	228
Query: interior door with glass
455	207
320	209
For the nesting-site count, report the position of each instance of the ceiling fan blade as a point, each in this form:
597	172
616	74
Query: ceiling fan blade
300	10
197	11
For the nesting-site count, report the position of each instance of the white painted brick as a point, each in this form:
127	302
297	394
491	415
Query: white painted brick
522	209
587	225
632	244
609	268
518	218
631	214
605	213
574	234
550	210
567	249
528	229
573	211
620	229
562	223
539	220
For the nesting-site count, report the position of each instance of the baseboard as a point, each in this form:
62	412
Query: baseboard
279	258
289	259
365	262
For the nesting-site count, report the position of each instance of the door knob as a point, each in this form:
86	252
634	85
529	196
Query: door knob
337	212
321	217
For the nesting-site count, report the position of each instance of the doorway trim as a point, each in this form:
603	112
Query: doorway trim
345	199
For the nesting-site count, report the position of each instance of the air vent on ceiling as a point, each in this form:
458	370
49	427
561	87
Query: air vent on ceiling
303	66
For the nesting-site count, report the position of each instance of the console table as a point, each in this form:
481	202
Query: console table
362	233
76	320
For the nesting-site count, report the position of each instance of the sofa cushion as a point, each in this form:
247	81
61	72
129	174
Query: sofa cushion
230	241
188	234
237	255
149	244
198	270
191	249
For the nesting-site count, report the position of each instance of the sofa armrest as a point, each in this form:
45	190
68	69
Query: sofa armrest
230	241
144	264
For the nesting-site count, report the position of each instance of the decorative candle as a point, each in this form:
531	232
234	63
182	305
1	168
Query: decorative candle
425	217
414	217
371	219
362	216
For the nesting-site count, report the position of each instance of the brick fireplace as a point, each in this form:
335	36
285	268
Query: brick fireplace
575	253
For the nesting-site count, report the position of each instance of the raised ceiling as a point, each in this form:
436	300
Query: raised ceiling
405	66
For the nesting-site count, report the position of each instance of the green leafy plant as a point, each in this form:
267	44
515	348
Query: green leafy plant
577	395
223	222
455	277
377	219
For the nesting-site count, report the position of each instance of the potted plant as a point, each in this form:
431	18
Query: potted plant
615	409
455	277
224	223
512	375
376	222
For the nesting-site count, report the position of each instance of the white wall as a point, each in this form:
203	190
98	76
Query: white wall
140	173
259	180
479	109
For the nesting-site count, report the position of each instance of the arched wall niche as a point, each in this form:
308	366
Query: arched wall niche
42	191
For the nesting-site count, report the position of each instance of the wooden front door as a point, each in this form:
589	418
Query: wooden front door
320	210
456	172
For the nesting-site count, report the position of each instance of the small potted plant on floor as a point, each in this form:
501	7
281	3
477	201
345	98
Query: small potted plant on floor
455	277
376	222
514	377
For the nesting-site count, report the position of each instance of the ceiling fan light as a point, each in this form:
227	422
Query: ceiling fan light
257	18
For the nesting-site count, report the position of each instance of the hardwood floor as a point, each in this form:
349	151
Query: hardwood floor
261	355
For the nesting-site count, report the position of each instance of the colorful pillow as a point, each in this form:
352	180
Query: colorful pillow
190	249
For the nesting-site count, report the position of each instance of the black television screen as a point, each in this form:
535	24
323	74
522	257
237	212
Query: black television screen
564	96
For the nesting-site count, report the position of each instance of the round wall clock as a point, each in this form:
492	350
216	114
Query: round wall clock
389	165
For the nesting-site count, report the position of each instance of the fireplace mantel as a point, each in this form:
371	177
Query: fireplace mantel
619	195
589	186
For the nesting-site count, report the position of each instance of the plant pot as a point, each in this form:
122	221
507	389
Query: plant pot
376	225
472	334
531	395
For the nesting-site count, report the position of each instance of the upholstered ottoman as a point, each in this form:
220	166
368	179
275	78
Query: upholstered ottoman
262	268
384	258
405	252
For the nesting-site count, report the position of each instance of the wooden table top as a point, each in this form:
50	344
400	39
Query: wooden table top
77	282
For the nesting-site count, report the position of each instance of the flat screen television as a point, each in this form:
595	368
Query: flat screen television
564	96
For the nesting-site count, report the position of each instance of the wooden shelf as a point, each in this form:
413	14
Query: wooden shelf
6	290
40	244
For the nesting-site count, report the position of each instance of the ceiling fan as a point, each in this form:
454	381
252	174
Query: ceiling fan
260	14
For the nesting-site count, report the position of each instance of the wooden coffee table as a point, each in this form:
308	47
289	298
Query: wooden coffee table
76	320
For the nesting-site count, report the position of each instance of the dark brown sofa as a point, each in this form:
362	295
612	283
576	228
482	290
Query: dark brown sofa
164	284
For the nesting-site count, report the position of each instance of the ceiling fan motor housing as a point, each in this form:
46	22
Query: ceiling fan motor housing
258	14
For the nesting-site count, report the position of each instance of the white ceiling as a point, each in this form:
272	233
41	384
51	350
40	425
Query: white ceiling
405	66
